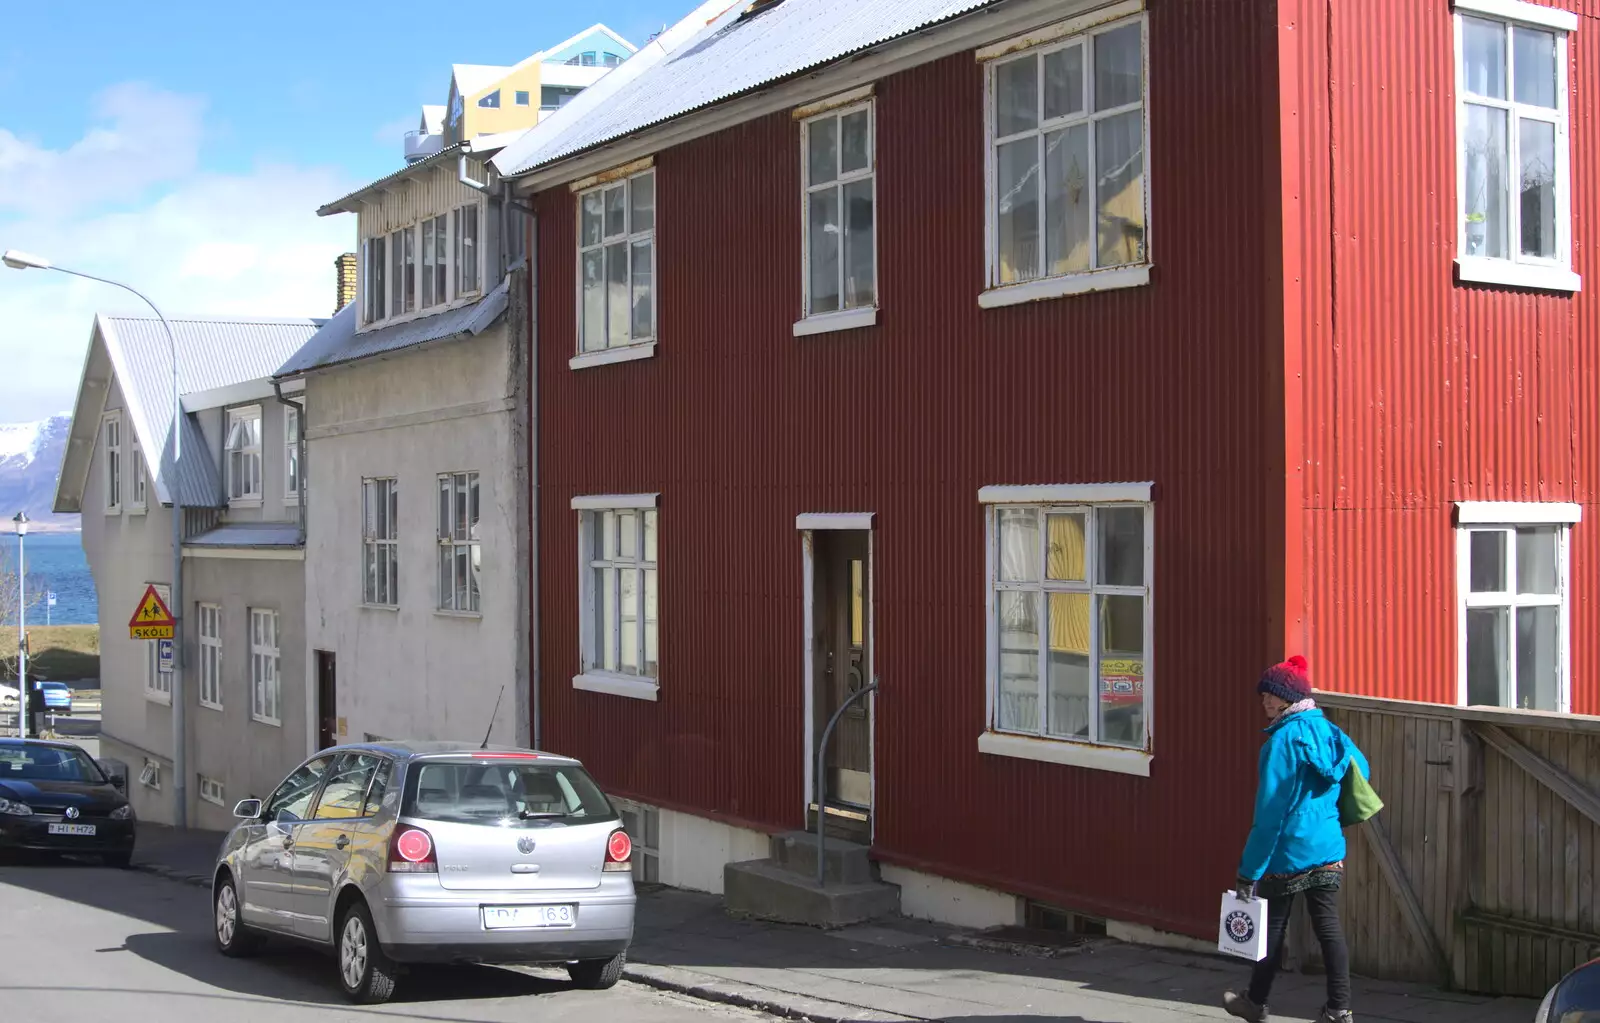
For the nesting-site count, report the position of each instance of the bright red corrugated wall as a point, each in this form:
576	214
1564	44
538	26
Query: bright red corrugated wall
740	427
1420	392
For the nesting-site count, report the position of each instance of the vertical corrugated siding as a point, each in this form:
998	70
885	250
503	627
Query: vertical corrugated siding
740	427
409	201
1420	392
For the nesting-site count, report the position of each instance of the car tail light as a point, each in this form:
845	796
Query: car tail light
619	852
411	852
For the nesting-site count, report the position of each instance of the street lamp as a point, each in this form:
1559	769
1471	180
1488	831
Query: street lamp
180	782
21	522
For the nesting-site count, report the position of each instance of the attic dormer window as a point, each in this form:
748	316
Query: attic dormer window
492	101
244	456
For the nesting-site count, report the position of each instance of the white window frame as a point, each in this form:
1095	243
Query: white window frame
1517	270
157	685
846	317
1080	499
461	286
373	544
293	471
432	293
450	542
111	443
375	298
1494	516
595	677
637	347
138	502
399	240
1077	30
211	790
208	621
247	499
266	678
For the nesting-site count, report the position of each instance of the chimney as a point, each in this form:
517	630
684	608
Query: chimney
345	266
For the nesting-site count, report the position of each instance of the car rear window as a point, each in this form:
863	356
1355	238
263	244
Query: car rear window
49	763
485	791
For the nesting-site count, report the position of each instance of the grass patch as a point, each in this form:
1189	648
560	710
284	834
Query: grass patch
64	653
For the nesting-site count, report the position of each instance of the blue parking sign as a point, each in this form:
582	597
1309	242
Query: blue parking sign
164	656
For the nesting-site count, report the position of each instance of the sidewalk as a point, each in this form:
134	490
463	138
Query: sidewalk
907	970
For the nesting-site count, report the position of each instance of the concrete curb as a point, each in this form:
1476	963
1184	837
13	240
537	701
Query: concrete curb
750	996
161	870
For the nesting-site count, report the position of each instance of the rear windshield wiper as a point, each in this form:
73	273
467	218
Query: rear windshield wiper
530	815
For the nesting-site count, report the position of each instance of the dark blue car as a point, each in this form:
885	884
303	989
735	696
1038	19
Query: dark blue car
1575	1000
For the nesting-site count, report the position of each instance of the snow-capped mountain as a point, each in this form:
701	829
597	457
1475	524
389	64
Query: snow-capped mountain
30	460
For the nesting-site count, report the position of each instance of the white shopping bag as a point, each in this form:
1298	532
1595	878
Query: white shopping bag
1242	930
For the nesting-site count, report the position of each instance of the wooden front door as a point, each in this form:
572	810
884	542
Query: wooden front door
841	666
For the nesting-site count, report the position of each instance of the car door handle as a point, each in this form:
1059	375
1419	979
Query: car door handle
343	841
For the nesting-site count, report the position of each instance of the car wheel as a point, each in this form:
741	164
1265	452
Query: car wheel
119	860
234	939
598	974
366	973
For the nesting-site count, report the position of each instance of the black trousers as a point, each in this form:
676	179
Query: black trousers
1323	906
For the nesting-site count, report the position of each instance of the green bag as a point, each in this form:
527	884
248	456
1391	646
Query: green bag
1358	800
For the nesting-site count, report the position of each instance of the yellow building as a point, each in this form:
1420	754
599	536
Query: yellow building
489	99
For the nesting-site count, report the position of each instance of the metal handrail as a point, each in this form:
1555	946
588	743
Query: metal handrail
822	781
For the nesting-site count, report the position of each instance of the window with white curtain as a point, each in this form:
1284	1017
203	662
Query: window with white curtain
618	592
210	621
244	455
616	264
265	685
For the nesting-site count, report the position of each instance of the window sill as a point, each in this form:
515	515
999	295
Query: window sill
244	502
1071	754
211	706
617	685
1471	270
164	699
1060	287
380	607
114	511
612	356
471	616
828	323
258	719
137	509
292	501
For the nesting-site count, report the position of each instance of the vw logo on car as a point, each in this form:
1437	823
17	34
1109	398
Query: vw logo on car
72	813
524	845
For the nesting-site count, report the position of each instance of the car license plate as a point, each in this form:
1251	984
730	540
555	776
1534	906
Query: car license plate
72	829
495	917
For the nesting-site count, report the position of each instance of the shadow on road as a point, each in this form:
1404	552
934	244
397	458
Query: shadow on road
283	970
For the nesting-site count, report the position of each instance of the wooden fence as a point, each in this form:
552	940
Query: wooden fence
1480	874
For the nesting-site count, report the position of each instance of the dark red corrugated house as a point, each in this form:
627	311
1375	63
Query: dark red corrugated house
1056	365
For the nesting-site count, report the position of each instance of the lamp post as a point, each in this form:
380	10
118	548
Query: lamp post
21	522
180	742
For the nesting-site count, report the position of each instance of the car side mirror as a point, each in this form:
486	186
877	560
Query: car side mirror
248	810
119	783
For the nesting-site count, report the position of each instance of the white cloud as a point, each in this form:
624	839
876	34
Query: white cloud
198	243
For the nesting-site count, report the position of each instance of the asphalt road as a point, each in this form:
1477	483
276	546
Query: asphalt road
84	944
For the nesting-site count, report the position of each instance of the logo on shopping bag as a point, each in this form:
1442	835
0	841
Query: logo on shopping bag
1240	926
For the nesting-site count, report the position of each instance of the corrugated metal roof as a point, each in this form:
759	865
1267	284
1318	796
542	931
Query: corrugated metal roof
345	204
338	342
249	534
730	56
212	353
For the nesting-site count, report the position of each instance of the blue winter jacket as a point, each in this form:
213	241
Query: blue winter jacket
1296	827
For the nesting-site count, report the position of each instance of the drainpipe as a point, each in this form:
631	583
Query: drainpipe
300	444
536	647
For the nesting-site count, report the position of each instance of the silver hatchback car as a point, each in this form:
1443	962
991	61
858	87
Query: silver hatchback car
394	854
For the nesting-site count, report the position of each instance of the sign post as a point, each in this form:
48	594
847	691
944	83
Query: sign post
152	619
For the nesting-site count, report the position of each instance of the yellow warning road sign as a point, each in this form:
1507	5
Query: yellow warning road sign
152	619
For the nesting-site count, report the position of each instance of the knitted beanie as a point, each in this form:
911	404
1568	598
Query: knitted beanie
1288	681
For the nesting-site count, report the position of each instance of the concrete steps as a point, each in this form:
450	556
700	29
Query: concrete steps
784	888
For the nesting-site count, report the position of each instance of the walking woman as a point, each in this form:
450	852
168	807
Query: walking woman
1296	846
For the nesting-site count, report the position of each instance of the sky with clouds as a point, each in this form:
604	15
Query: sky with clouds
183	148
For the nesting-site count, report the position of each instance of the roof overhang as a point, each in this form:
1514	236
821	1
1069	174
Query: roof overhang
235	394
484	146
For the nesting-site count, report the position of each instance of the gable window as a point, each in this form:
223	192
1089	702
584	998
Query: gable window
492	101
523	99
210	616
460	551
244	455
467	273
552	97
265	686
112	429
380	542
376	293
136	460
435	261
613	59
616	258
839	237
1512	581
403	256
1070	618
1066	164
1513	171
291	455
618	595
